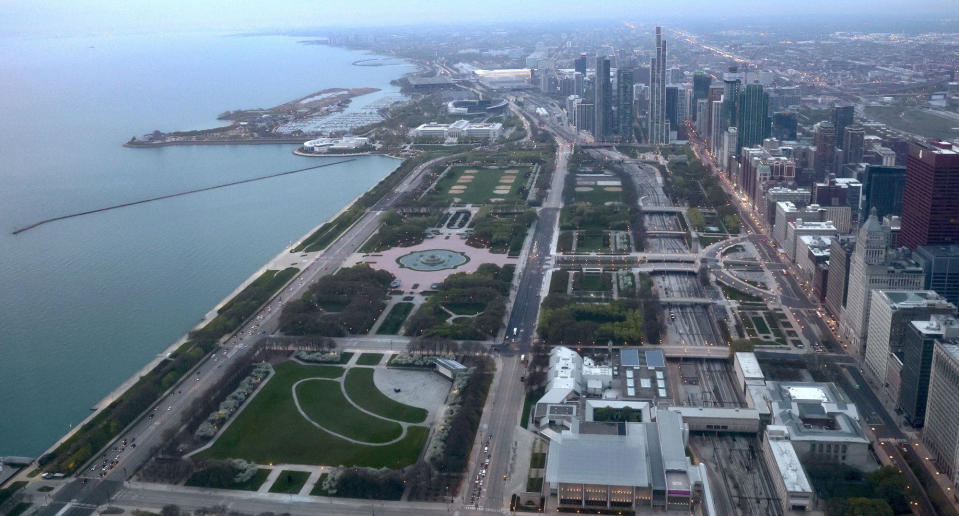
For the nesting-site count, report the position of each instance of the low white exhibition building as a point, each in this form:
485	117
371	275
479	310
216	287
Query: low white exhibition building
324	145
458	129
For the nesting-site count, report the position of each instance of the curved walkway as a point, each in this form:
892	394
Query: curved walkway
296	401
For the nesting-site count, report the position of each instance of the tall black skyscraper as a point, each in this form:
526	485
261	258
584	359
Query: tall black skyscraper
842	117
754	125
579	64
882	189
784	126
624	104
603	100
701	83
658	129
672	106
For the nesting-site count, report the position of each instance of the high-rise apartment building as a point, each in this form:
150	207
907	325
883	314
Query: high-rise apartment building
602	100
891	311
940	263
930	197
624	104
753	117
918	344
940	434
658	129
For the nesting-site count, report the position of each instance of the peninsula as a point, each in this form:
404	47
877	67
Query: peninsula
278	124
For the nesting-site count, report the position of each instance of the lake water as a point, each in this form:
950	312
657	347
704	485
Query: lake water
86	302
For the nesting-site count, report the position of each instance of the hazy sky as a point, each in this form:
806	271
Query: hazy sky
68	17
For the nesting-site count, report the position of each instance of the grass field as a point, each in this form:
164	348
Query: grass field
361	389
484	181
270	430
252	484
324	402
394	319
915	120
318	487
593	282
598	196
369	359
290	482
591	242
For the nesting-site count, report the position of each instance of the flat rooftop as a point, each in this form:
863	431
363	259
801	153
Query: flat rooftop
749	365
790	469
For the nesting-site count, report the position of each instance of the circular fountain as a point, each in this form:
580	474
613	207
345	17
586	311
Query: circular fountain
432	260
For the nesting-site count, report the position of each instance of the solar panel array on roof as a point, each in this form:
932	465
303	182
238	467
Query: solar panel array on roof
629	357
655	358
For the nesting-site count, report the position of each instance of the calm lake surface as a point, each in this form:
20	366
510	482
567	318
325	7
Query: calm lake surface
86	302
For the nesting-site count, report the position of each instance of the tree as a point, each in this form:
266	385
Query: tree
732	223
696	218
858	507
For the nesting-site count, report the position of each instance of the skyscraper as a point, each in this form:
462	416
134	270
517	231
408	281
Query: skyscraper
701	83
918	344
853	140
882	189
624	104
891	311
579	64
940	433
784	126
842	117
753	117
672	106
603	100
941	266
658	130
824	139
930	198
874	266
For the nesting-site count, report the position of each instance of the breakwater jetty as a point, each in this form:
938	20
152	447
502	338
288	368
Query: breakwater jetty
178	194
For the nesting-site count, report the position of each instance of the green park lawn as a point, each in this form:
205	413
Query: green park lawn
324	402
591	242
271	430
598	195
370	359
394	319
485	180
290	482
254	483
361	389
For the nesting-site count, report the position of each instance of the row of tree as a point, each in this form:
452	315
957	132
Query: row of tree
356	294
487	289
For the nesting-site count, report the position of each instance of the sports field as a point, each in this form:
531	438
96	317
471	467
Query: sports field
307	414
478	185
